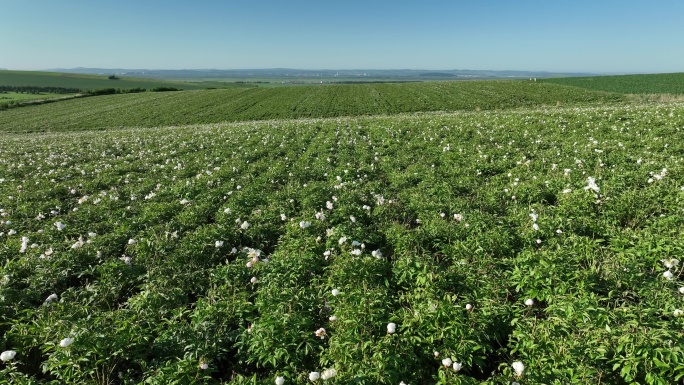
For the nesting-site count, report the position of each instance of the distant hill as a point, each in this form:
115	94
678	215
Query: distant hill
289	73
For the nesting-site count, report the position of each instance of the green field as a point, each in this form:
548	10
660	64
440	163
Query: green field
214	106
16	96
628	84
424	233
90	82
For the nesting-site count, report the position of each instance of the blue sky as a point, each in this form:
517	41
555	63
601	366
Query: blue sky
566	36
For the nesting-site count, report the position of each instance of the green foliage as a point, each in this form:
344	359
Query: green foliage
627	84
239	252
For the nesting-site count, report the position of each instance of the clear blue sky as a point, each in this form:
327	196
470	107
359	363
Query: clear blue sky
578	36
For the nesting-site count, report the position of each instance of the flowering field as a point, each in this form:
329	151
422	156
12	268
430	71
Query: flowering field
528	246
153	109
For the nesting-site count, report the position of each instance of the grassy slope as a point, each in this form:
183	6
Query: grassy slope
212	106
672	83
85	82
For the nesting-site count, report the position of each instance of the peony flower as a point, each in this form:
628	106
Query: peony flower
7	355
314	376
184	201
60	226
329	205
253	280
218	244
391	327
668	275
24	244
591	185
446	362
51	298
518	367
204	366
529	302
244	225
342	240
66	342
283	217
356	252
681	290
332	318
304	224
377	254
670	262
469	307
279	380
131	241
457	366
335	292
678	313
321	333
328	373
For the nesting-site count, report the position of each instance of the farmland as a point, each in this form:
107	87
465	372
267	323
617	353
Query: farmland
245	104
90	82
628	84
440	247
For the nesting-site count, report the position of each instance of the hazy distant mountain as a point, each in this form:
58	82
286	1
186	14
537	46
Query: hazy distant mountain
284	73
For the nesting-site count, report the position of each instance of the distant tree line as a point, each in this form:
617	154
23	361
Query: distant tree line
112	91
39	90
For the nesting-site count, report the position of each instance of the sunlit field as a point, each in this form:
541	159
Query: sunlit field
534	245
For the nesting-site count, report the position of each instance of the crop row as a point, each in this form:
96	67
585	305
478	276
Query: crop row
214	106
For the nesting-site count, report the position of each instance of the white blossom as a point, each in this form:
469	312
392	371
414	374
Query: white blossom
529	302
446	362
457	366
7	355
304	224
314	376
66	342
335	292
280	381
60	226
518	367
244	225
391	327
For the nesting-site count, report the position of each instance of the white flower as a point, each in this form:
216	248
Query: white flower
7	355
51	297
391	327
681	290
304	224
678	313
535	227
332	318
377	254
321	333
446	362
356	252
24	244
469	307
436	353
314	376
60	226
518	367
204	366
329	205
218	244
184	201
670	262
131	241
253	280
335	292
328	373
66	342
280	381
283	217
457	366
529	302
591	185
668	274
343	240
244	225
